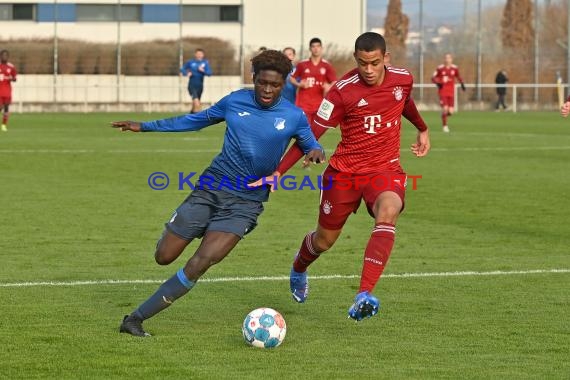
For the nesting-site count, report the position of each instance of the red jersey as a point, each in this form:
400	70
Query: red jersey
7	75
316	76
370	118
446	77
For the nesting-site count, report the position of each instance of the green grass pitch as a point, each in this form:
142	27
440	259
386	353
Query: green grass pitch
494	196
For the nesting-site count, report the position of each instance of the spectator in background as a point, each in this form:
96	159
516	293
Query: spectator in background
501	80
290	91
316	78
195	69
7	76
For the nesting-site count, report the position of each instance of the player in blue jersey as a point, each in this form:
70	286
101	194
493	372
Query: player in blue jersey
259	127
196	69
290	91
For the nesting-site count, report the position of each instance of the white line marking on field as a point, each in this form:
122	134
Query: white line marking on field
199	151
284	278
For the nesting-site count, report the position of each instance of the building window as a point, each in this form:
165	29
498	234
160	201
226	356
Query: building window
17	12
107	12
210	13
229	13
23	12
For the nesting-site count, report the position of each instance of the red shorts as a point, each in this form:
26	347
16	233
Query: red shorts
342	192
5	100
446	101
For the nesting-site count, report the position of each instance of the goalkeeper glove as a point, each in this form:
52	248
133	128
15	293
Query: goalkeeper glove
463	86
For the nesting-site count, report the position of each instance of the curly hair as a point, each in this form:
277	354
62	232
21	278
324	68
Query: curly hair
272	60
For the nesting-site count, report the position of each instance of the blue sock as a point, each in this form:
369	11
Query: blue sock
174	288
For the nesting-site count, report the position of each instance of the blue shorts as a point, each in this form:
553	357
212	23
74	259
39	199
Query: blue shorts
195	91
213	210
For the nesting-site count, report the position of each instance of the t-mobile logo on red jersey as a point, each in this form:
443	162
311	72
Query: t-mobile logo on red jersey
371	122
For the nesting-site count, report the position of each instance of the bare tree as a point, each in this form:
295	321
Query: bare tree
396	30
517	25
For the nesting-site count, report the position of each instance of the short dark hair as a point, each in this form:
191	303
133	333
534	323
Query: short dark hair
272	60
199	49
370	41
315	40
4	51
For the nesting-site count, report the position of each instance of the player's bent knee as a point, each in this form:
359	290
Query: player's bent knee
163	258
323	242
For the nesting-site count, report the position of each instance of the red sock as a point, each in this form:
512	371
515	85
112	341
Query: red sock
5	118
444	118
307	254
376	255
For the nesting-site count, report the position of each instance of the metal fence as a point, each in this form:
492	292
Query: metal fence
88	93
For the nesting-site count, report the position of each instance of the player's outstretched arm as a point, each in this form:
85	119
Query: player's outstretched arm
127	125
565	110
422	145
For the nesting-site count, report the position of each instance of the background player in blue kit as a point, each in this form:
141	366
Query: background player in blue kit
196	69
260	125
290	91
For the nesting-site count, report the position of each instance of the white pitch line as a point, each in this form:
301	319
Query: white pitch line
284	278
199	151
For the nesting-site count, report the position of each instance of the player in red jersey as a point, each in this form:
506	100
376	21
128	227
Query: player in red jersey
368	103
565	110
7	76
316	76
444	77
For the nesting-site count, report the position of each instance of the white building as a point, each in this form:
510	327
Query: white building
248	23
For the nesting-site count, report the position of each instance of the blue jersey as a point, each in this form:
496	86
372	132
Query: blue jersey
289	90
254	142
197	78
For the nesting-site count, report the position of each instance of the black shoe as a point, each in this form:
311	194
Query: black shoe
132	325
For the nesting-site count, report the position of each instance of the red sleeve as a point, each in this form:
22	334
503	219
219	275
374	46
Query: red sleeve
411	113
297	72
331	74
568	100
295	153
435	77
458	76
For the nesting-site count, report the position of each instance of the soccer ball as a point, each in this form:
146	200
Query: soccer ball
264	328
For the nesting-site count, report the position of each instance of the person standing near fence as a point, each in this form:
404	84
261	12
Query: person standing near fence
7	76
196	69
445	76
501	80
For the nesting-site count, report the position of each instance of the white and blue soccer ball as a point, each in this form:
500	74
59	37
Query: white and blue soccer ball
264	328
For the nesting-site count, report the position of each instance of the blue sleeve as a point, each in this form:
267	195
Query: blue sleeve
189	122
207	69
305	137
184	69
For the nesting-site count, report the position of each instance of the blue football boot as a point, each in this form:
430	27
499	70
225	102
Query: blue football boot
365	306
299	284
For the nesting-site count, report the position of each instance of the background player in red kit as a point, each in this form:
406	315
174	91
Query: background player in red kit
315	76
7	76
368	103
444	77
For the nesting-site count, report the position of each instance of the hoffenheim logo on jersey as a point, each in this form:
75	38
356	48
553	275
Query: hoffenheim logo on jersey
398	93
279	123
